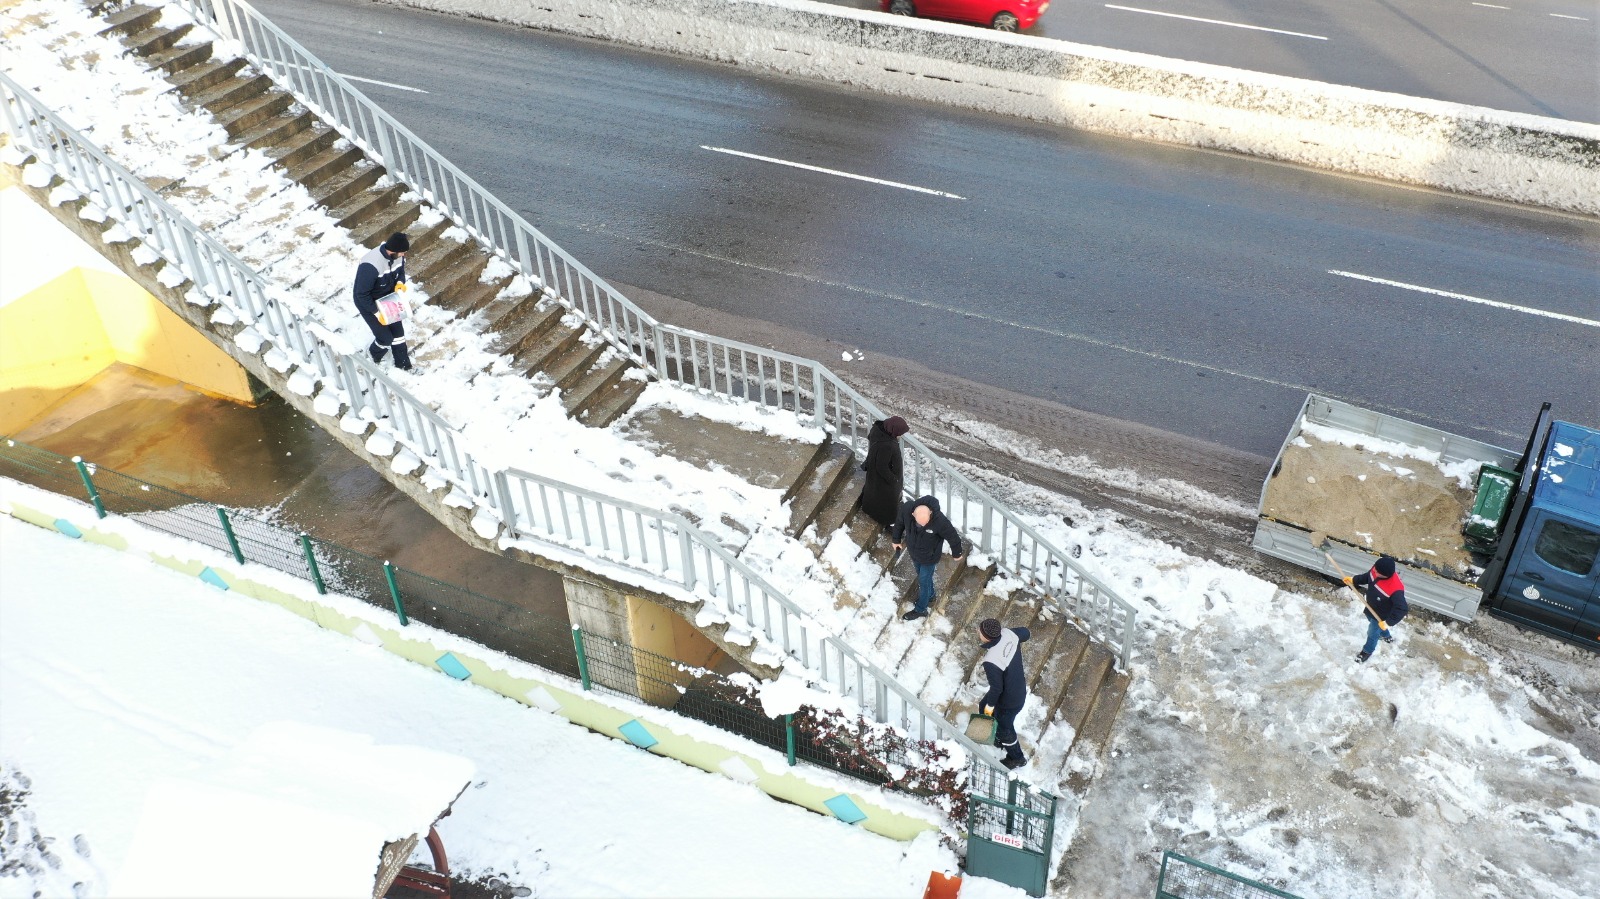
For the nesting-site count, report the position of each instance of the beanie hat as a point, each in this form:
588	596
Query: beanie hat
896	426
397	243
1384	567
989	628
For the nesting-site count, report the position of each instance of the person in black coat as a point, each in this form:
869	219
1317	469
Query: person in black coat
1008	684
924	529
1385	605
880	495
379	274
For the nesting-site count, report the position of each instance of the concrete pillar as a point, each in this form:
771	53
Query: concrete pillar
632	642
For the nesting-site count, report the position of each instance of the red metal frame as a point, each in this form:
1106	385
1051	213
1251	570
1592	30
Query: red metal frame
435	882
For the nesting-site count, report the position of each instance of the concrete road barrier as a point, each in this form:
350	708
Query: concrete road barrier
1466	149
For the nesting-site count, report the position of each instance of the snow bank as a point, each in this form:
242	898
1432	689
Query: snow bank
1451	146
340	794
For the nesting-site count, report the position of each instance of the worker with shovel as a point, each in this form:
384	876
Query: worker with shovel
1385	603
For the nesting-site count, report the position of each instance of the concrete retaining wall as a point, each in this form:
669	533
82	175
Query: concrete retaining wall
1467	149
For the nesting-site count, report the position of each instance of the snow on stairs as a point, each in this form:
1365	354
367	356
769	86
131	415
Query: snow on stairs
457	273
1075	689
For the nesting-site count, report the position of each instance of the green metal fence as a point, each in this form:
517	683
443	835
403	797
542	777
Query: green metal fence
858	748
1185	878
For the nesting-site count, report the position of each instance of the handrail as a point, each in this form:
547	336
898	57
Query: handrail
700	567
718	365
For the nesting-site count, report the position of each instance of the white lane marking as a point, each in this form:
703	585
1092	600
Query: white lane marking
1490	6
814	168
398	87
1400	411
401	87
1173	15
1545	313
1557	15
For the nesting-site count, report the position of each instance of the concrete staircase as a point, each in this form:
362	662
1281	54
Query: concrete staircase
534	330
1076	690
1074	686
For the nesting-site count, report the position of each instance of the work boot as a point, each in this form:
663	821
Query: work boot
913	615
1363	656
376	352
1013	764
402	356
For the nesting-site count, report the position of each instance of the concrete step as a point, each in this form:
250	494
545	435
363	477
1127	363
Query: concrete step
293	147
364	207
377	229
132	19
239	118
524	323
1051	672
235	91
155	39
279	130
433	257
610	404
351	183
479	294
203	76
554	341
828	474
448	287
576	360
179	58
1096	730
323	166
585	391
1072	704
840	509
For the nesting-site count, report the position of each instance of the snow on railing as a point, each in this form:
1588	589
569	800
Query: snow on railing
673	555
714	364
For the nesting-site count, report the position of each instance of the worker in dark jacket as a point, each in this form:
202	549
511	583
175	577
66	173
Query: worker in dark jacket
923	529
1386	603
1008	685
880	495
380	273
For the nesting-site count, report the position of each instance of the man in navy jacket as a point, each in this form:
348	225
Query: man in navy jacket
1386	603
380	273
1008	685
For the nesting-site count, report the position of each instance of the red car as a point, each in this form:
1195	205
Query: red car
1002	15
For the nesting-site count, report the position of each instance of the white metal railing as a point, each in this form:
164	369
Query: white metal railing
664	550
726	367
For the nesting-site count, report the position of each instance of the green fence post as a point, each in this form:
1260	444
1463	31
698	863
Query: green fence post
311	561
788	732
583	659
394	593
94	495
227	528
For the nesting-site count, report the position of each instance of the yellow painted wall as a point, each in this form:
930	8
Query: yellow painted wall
64	332
51	341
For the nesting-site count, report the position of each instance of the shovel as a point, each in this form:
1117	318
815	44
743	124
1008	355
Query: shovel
1326	554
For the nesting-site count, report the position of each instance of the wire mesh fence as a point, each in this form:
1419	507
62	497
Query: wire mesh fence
1185	878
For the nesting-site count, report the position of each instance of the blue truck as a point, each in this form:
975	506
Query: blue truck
1526	544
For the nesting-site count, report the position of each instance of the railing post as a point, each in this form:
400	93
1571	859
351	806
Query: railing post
988	527
233	542
311	562
394	593
583	658
788	731
687	546
820	408
661	352
88	484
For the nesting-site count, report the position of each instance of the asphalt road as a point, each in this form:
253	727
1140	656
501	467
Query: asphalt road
1185	290
1535	56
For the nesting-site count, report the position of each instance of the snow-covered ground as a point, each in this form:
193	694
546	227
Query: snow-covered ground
116	673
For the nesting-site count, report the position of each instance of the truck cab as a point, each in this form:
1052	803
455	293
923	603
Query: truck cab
1545	573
